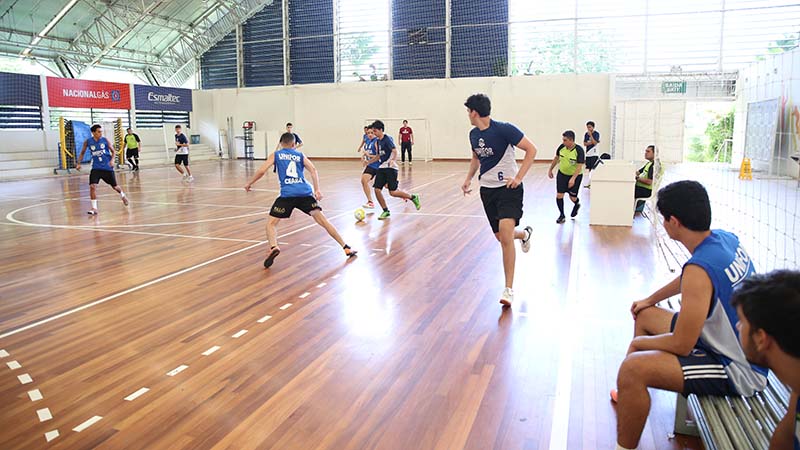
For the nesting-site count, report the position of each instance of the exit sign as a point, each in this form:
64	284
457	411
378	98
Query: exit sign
673	87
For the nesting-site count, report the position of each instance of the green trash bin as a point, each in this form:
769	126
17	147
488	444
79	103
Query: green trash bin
195	139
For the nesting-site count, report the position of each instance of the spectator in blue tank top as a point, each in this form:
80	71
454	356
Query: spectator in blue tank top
290	164
769	314
102	166
696	351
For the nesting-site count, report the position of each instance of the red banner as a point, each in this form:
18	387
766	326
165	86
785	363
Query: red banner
71	93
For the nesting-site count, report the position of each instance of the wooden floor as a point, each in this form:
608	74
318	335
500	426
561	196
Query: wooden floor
403	347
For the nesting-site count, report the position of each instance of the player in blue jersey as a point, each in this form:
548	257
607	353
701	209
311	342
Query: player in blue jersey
493	145
102	165
371	163
387	171
769	313
363	140
696	351
290	164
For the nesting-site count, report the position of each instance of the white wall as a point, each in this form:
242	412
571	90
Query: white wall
29	141
777	76
330	117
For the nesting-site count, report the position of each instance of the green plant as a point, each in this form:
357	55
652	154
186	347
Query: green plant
357	50
715	149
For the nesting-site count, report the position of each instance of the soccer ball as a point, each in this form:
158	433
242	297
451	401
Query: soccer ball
360	214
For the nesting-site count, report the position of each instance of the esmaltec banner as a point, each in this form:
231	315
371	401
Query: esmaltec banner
71	93
157	98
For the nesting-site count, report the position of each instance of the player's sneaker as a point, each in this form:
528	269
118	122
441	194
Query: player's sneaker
190	179
271	258
349	252
561	219
92	212
125	201
369	205
526	242
575	209
507	297
415	200
384	215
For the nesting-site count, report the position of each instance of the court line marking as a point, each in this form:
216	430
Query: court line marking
35	395
137	394
44	414
286	306
150	283
304	294
50	435
87	424
321	285
4	354
239	334
13	365
559	431
177	370
211	350
264	319
10	217
146	233
25	378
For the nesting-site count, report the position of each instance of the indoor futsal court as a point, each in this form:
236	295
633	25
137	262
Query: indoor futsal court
399	224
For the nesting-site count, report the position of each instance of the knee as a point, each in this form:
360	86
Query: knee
630	372
559	196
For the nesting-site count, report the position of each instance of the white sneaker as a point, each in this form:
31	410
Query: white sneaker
526	242
190	179
185	177
507	297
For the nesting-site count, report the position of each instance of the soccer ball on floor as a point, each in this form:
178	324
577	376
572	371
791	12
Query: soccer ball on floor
360	214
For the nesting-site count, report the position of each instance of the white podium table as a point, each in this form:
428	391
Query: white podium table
613	185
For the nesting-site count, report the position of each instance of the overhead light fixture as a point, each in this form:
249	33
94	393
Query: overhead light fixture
50	25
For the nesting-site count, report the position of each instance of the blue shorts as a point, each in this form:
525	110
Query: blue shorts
703	371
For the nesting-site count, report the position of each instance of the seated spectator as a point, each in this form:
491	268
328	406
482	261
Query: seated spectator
695	351
768	307
644	178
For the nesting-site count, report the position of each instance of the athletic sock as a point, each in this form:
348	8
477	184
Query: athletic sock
619	447
560	203
94	204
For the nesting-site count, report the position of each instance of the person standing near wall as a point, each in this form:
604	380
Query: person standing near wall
133	144
590	140
406	141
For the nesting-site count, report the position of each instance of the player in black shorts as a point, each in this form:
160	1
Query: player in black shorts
570	159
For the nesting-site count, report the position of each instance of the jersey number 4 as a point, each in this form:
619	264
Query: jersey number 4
292	169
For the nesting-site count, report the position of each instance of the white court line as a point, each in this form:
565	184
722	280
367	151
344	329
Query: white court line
152	282
372	254
146	233
50	435
177	370
35	395
264	319
136	394
211	350
286	306
304	294
239	334
305	245
25	378
13	365
559	431
336	276
87	424
321	285
44	414
3	354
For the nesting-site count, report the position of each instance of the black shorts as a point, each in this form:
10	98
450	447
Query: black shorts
562	184
703	371
132	153
592	162
182	159
386	177
106	175
502	203
371	171
283	206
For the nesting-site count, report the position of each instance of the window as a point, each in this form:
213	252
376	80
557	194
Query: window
363	40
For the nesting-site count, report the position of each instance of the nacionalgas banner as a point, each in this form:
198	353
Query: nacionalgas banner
20	90
156	98
71	93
